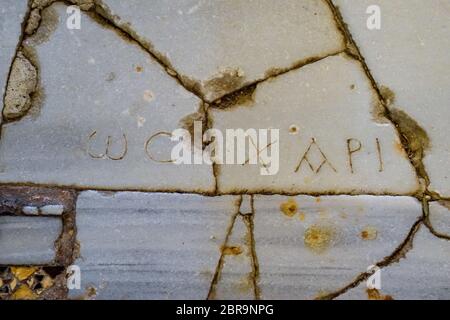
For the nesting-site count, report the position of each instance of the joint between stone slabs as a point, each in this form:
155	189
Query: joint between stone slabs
76	188
217	274
254	275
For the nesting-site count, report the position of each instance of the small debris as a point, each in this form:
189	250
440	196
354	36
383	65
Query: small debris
22	83
54	210
30	210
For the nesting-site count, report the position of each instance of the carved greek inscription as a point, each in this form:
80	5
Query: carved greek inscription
380	157
305	159
254	148
353	146
107	154
149	142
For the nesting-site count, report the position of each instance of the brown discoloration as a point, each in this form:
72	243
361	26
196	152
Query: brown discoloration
67	248
388	95
273	72
374	294
226	81
188	122
445	204
41	3
399	148
318	238
293	129
289	208
89	294
231	250
242	97
43	29
33	21
414	139
369	233
139	69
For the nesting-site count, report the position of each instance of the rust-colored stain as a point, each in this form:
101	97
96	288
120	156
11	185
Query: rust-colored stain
289	208
319	238
302	216
369	233
294	129
374	294
232	250
318	200
139	69
399	148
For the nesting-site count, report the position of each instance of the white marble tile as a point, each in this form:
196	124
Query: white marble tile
150	246
308	247
28	240
409	55
99	90
330	137
214	44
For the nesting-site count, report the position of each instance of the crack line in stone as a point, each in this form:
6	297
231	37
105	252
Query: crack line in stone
219	267
396	256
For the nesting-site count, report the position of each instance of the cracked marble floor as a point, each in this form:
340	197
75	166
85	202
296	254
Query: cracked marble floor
94	89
